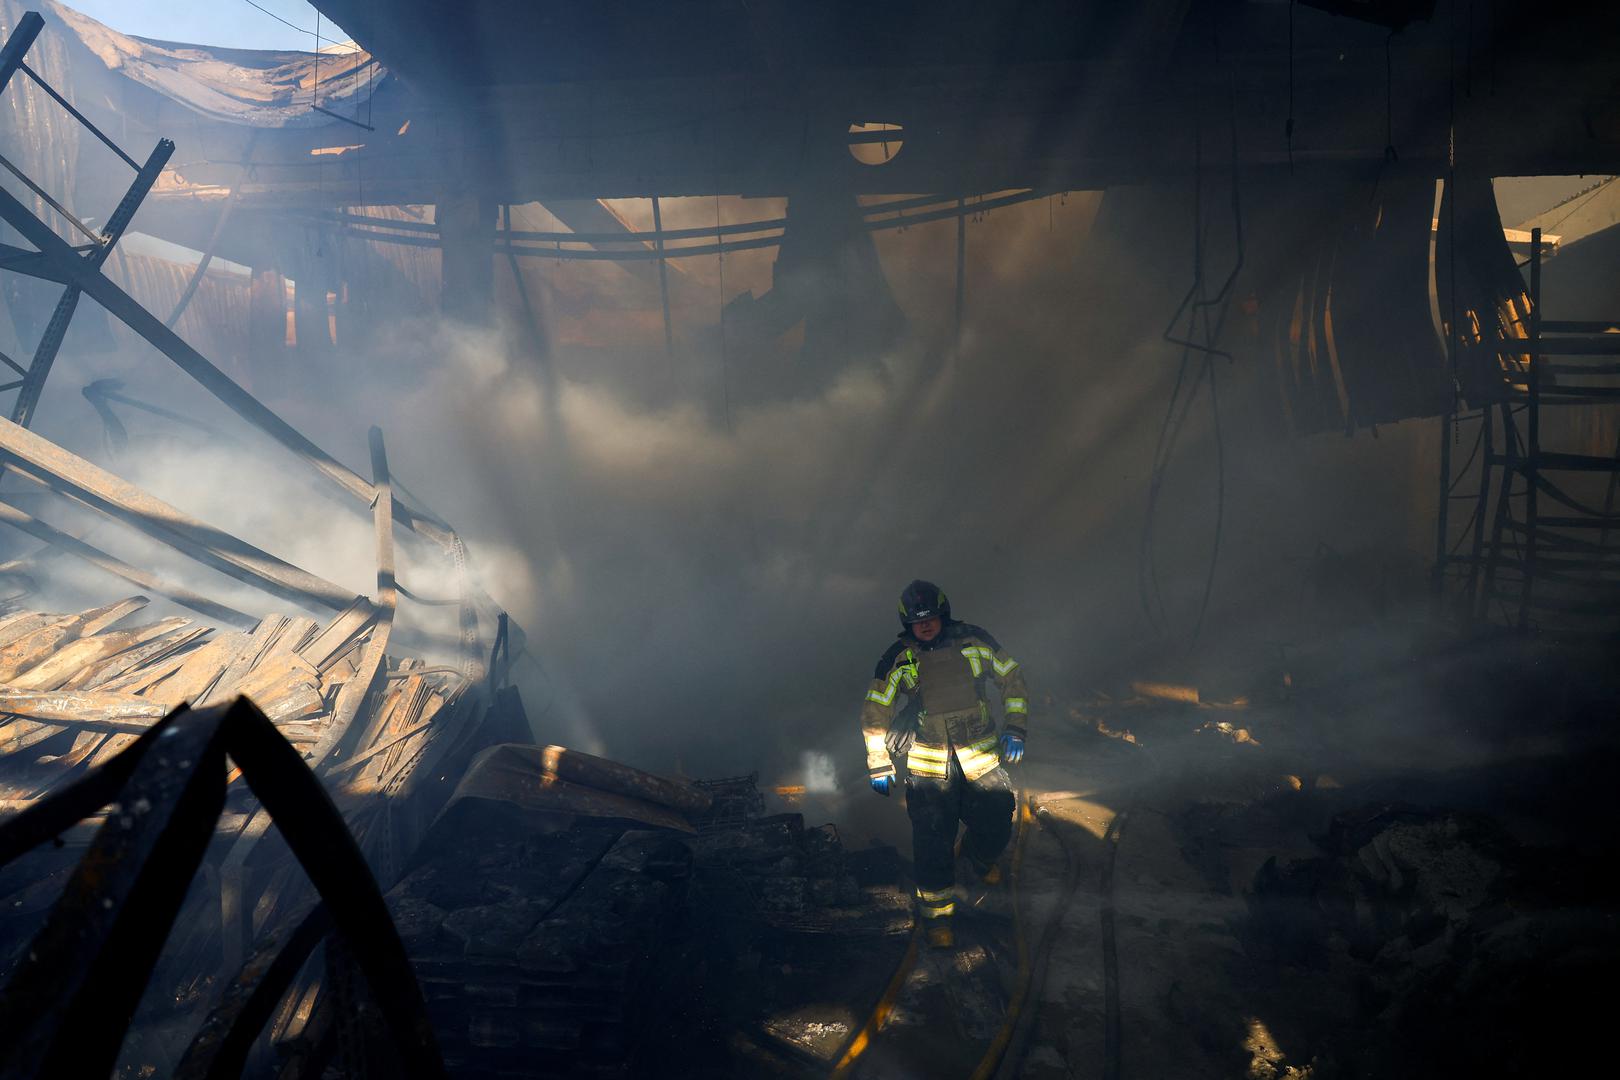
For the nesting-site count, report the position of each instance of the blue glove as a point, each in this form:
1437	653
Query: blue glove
1012	748
880	784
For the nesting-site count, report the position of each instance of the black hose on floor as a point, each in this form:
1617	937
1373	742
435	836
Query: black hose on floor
1110	950
1024	1021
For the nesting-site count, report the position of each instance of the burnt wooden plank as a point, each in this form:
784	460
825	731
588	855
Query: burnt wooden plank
42	713
201	669
52	673
143	655
87	652
287	688
31	648
259	639
84	746
341	634
14	624
72	705
150	670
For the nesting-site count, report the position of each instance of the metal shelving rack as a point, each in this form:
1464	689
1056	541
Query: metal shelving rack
1540	555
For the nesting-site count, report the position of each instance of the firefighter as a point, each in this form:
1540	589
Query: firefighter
953	754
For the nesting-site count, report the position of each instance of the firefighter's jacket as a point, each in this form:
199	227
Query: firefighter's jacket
947	678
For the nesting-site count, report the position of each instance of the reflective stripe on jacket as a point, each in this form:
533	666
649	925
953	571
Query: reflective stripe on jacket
947	676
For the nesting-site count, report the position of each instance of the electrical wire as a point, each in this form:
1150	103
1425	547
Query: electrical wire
1288	128
284	22
1194	303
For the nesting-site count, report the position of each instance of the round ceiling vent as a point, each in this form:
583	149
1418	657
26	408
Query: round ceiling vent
875	144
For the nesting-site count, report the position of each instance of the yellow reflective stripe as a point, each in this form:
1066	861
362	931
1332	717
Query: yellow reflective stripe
1015	705
933	896
977	654
908	669
929	753
934	770
875	743
885	697
978	758
938	911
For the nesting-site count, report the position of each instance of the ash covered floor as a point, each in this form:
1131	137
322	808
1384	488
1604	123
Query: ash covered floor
1400	865
1392	861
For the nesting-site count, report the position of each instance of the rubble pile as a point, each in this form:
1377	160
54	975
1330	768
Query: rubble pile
534	946
76	688
546	920
1469	951
383	733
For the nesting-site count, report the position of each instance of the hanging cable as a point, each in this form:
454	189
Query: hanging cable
1288	128
278	18
315	91
1194	304
1389	99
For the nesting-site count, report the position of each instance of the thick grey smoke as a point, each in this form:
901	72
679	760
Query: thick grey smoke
707	569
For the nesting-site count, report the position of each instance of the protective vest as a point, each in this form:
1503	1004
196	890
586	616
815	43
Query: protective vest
947	678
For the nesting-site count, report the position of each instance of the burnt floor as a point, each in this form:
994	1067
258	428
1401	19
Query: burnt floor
1393	862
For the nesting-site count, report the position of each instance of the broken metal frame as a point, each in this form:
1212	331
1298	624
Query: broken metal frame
78	480
72	545
53	259
97	950
32	383
893	215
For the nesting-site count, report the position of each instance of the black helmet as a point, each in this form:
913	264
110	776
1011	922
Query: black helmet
923	600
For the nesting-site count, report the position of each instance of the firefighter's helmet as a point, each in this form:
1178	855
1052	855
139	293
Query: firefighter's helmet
923	600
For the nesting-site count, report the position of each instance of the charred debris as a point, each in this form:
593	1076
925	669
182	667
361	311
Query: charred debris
275	828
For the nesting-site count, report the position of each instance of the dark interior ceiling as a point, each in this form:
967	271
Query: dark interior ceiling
756	96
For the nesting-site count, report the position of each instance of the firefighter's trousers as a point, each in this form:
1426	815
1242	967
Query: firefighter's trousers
936	808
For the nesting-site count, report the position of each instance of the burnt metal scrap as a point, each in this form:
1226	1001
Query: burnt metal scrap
65	1009
79	269
564	929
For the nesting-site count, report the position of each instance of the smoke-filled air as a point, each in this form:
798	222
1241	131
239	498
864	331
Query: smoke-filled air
794	541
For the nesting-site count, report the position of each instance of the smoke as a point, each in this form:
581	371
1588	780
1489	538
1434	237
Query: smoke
706	571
